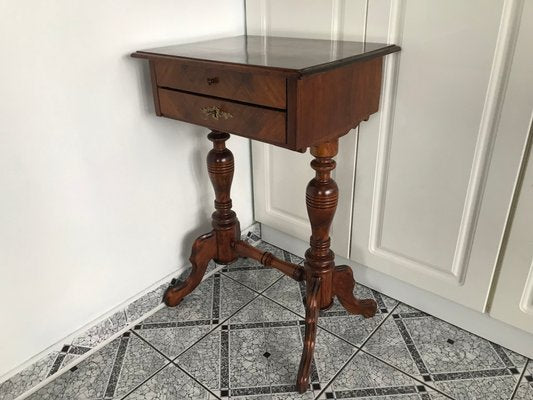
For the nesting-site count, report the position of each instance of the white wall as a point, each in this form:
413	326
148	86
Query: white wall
99	197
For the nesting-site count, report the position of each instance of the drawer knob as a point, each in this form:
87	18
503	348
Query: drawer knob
215	113
212	81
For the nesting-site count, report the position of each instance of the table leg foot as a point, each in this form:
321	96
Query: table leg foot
203	250
311	319
343	286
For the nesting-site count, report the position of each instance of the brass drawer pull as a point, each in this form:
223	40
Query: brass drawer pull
215	113
212	81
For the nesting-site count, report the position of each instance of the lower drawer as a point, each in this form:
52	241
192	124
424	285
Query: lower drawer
250	121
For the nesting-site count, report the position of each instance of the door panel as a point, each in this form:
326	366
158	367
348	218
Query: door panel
425	162
512	301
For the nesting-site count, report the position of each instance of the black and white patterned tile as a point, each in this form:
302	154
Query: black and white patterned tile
170	383
110	373
252	234
102	331
146	303
366	377
353	328
67	354
195	306
172	330
525	388
27	378
256	354
448	358
252	274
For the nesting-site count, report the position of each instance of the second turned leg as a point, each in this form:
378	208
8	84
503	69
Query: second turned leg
321	200
323	279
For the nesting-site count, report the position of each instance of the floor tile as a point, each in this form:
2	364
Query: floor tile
172	330
251	273
233	296
88	380
171	340
109	373
67	355
102	331
289	293
525	388
368	378
195	306
257	353
446	357
27	378
353	328
146	303
170	384
254	276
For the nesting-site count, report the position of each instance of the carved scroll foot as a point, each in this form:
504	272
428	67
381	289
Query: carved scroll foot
343	286
203	250
311	319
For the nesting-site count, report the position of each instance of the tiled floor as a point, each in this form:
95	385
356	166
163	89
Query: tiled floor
239	335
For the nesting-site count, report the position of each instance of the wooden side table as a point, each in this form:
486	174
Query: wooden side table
293	93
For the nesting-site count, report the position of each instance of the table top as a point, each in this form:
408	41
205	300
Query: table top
289	54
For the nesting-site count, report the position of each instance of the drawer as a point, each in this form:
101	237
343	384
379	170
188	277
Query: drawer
229	82
254	122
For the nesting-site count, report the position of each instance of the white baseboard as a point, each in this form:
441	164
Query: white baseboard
478	323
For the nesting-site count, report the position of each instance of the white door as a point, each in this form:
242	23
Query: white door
437	166
280	176
513	296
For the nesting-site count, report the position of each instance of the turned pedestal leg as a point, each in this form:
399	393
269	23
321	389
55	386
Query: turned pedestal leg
217	244
323	279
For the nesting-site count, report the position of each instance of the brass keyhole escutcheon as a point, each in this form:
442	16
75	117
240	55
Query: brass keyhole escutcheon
215	112
212	81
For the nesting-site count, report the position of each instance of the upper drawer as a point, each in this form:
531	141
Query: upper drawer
263	88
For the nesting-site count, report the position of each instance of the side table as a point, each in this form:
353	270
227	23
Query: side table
292	93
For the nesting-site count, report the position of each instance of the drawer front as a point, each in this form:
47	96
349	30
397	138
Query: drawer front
234	83
250	121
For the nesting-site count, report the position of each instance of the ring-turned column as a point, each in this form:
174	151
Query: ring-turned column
322	195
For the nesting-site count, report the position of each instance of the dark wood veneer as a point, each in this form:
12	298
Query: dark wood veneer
254	122
326	88
236	83
294	93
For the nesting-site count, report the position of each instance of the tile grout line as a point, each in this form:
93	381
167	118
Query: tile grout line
194	379
408	374
152	346
115	360
515	390
431	385
222	322
147	379
393	366
89	353
174	359
101	345
358	349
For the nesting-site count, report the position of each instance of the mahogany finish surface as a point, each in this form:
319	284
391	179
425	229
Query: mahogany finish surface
266	89
254	122
293	93
276	53
320	88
